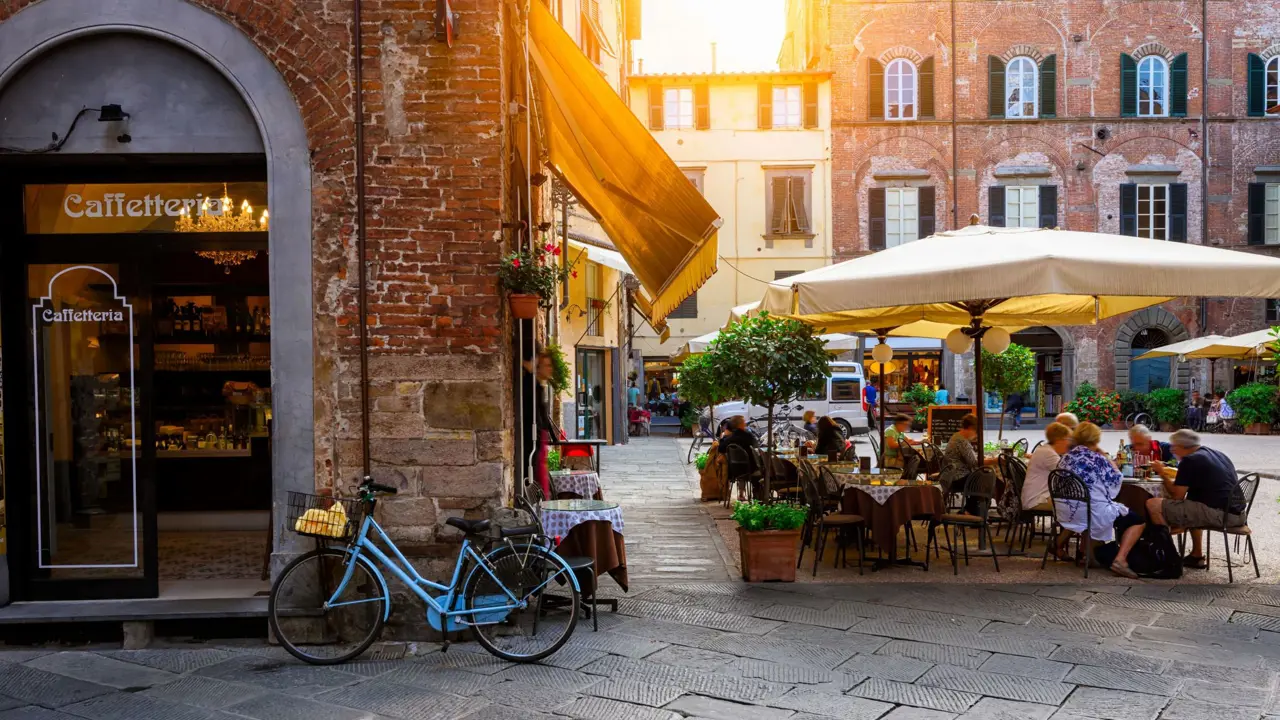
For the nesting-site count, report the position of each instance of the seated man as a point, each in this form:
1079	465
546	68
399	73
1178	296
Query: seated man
1195	415
1198	492
1068	419
1146	448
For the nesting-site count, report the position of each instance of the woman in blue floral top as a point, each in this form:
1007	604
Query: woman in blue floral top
1103	481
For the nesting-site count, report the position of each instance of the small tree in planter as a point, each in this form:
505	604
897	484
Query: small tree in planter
1255	406
769	361
1168	406
1009	372
769	534
701	385
1093	405
531	278
1132	402
920	398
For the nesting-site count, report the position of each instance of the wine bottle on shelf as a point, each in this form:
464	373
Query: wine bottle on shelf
239	325
266	320
222	438
197	320
257	321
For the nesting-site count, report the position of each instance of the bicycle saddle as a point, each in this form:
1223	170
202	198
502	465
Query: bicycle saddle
470	527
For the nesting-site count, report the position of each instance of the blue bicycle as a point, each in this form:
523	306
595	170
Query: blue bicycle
328	606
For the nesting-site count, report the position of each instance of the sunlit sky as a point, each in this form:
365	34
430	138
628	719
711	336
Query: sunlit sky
677	35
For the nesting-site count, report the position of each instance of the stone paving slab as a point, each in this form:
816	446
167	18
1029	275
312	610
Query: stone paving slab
1026	667
102	670
1116	679
958	638
1097	704
850	708
997	709
128	706
1009	687
46	689
924	696
713	709
34	712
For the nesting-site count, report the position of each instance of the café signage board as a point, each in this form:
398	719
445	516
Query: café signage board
78	209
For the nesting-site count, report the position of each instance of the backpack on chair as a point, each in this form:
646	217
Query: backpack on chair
1154	555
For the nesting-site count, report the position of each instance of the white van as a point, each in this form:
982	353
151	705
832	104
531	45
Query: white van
841	401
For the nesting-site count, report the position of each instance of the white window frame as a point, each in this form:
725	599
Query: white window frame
901	216
900	77
1021	75
675	102
1271	215
1017	200
1154	68
1271	85
788	106
1153	211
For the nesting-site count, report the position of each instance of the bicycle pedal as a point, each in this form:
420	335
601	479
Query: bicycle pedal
444	647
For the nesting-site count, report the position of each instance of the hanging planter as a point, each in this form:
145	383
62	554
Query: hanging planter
524	306
531	279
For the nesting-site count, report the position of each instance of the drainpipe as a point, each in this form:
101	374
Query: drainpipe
955	148
361	242
1204	122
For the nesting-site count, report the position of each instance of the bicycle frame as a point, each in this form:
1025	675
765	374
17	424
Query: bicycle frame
407	574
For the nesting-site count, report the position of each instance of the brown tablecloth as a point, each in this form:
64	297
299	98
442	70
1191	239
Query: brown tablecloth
597	540
885	520
1135	497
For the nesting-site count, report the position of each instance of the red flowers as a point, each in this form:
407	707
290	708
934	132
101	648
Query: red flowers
515	262
573	274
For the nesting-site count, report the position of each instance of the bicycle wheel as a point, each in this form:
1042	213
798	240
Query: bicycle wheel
308	627
540	579
694	449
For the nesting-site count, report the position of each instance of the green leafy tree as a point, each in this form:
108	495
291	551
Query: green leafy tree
1009	372
701	385
1254	403
769	361
1168	406
921	398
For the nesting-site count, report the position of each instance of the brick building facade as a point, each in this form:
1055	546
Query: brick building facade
1106	119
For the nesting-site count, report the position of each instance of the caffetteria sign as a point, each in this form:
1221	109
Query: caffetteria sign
133	208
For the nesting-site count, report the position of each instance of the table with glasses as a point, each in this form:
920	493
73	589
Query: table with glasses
888	506
589	528
575	484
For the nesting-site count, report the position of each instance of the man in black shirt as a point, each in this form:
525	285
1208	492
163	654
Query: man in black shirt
1199	492
740	437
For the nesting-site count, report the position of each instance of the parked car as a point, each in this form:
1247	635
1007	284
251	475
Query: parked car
841	400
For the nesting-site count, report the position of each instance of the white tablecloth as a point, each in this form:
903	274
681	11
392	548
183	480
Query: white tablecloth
583	483
882	493
1154	489
558	523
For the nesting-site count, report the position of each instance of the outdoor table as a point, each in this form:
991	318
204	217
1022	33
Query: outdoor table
570	484
888	508
1135	494
589	528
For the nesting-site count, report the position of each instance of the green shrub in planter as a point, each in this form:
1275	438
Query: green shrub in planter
1133	402
553	460
701	461
920	397
1094	405
1167	405
756	515
1254	403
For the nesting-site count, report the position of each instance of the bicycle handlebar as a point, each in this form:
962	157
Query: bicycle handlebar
379	487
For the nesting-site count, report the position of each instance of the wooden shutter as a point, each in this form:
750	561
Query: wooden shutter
1049	87
1128	89
926	88
875	212
764	106
875	91
995	206
1257	86
779	191
657	114
1048	206
995	85
927	198
1257	213
702	106
801	212
1178	212
1178	86
1129	209
811	105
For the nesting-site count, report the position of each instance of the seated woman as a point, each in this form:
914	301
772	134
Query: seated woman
1035	490
895	436
1103	481
830	440
811	422
960	454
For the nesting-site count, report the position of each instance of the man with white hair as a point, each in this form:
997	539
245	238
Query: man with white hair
1146	448
1068	419
1198	492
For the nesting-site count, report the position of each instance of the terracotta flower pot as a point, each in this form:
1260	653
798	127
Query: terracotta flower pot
1258	429
768	554
524	307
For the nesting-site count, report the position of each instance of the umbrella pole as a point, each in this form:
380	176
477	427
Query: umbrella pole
981	404
880	405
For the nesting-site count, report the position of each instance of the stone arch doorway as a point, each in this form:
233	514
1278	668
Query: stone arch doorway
1142	331
1055	375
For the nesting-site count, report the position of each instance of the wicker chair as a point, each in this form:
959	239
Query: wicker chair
1066	486
979	491
1242	494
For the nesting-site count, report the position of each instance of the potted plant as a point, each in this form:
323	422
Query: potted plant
531	277
1255	406
1168	406
700	385
1009	372
1094	405
769	535
920	398
1132	402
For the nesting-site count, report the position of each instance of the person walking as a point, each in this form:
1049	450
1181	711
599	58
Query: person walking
1013	406
941	396
633	395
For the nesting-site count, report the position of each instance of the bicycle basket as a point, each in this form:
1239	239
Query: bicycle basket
324	517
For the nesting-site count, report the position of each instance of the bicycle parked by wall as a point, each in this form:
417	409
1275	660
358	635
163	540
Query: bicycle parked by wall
520	599
785	432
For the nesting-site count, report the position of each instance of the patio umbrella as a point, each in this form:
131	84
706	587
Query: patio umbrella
1238	347
979	278
837	343
1185	348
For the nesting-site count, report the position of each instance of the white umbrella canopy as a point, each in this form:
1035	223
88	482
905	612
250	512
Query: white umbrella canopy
1014	277
1240	347
1186	347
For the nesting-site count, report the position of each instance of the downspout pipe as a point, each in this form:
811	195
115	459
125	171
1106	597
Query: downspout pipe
955	148
361	237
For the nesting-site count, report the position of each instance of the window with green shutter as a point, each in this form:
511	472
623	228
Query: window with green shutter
1128	86
1178	86
1257	92
1049	87
875	89
926	88
995	86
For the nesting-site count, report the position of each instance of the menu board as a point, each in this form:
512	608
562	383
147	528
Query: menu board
944	421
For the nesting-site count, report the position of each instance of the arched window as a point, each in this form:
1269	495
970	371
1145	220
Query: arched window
1273	86
1020	84
1153	87
900	90
1153	373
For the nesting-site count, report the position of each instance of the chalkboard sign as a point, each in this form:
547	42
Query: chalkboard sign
944	421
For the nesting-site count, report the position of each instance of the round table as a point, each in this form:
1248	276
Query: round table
887	508
576	484
1136	493
589	528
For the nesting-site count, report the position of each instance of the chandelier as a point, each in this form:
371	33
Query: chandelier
221	219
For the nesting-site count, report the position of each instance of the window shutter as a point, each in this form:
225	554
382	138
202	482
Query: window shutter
702	106
1129	209
797	204
1049	87
1257	86
995	85
778	193
1048	206
1128	91
1178	212
875	206
656	111
764	105
875	93
1257	213
926	88
811	105
1178	86
927	198
995	206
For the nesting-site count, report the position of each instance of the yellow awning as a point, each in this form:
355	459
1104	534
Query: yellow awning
645	307
655	217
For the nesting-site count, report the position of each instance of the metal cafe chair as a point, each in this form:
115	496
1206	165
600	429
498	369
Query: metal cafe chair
822	522
979	491
1066	487
1242	494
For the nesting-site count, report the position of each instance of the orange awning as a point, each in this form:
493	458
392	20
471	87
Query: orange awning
644	306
